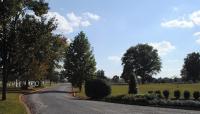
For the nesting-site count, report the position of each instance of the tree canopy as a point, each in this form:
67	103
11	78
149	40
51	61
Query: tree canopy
28	48
191	67
142	60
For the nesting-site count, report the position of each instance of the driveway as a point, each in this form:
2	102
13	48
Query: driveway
58	100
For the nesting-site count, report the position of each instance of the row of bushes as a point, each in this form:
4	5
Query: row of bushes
152	100
97	89
177	94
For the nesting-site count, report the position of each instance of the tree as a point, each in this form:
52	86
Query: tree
115	79
79	61
100	74
10	13
141	60
191	67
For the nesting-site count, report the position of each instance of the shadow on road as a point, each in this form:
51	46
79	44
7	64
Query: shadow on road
54	91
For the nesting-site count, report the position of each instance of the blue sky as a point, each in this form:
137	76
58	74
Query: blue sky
112	26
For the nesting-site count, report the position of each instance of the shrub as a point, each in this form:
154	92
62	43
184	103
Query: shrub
150	92
186	94
177	94
97	89
196	95
166	94
158	93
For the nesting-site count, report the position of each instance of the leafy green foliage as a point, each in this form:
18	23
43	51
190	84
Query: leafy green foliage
196	95
28	49
115	79
79	61
10	13
97	89
100	75
186	94
152	100
141	59
190	70
166	94
177	94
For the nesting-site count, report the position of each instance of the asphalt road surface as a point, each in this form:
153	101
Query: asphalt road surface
58	100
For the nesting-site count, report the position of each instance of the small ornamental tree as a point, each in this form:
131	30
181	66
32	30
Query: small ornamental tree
186	94
177	94
133	88
196	95
166	94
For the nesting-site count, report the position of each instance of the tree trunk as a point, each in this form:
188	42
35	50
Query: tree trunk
50	82
80	88
26	85
4	64
4	84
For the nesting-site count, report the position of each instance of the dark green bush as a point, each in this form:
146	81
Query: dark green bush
97	89
186	95
196	95
177	94
158	93
166	94
152	100
150	92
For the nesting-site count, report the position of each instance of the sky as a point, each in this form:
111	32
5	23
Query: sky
112	26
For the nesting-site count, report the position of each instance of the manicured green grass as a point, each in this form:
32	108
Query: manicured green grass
12	105
143	89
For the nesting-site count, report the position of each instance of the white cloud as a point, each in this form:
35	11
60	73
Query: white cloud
195	17
196	34
198	41
77	21
177	23
91	16
188	21
71	21
163	47
114	58
63	25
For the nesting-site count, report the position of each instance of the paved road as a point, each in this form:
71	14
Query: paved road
58	100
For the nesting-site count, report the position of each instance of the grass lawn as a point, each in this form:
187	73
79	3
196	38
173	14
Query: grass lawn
123	89
12	105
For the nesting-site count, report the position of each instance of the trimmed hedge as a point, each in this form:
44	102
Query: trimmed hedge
166	94
196	95
97	89
177	94
186	94
152	100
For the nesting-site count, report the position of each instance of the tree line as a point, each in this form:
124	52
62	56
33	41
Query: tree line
28	48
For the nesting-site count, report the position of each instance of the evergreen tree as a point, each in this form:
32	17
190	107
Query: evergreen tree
79	61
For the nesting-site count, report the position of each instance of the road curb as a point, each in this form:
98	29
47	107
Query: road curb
21	99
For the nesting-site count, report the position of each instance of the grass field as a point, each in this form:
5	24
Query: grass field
12	105
123	89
